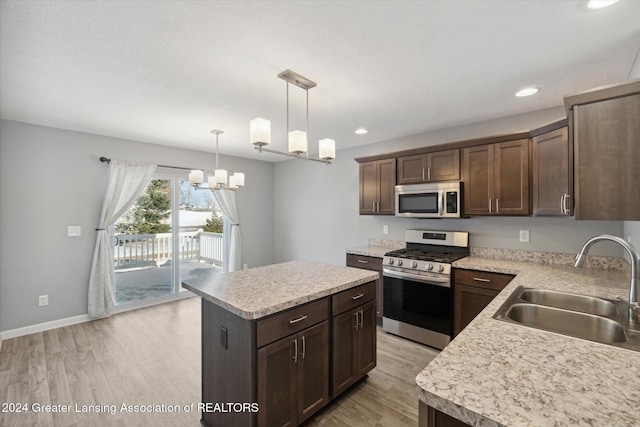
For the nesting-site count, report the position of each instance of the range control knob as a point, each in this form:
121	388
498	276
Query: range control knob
390	261
430	267
414	264
399	262
441	268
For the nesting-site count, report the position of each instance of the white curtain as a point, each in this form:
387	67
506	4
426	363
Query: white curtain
127	180
227	202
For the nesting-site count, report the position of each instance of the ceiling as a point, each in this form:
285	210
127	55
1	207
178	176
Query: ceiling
167	72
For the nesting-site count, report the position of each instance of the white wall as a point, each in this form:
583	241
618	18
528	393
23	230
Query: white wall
316	206
52	178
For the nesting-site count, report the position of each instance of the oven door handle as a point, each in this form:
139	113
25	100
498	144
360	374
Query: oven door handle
445	283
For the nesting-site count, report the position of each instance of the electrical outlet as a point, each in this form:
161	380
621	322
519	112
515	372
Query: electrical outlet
524	235
385	229
43	300
74	231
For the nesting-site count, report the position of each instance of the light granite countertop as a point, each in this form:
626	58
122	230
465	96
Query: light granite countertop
500	374
376	248
261	291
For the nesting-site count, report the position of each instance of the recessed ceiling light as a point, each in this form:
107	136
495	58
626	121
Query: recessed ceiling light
599	4
361	131
527	91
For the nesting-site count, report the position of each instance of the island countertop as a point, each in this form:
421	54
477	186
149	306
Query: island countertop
500	374
258	292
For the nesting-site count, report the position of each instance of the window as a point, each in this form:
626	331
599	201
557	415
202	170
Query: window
171	233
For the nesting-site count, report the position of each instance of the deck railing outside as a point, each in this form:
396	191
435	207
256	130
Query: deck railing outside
155	249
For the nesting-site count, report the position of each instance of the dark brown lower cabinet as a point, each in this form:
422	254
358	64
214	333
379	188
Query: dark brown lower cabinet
293	377
354	345
282	362
472	291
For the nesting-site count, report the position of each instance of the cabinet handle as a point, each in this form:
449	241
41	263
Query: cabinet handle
304	346
355	297
497	205
489	205
361	318
423	174
562	203
362	261
295	352
378	207
299	319
356	325
478	279
374	207
567	210
428	174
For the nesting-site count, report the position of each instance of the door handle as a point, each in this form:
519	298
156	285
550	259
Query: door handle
295	350
489	205
497	205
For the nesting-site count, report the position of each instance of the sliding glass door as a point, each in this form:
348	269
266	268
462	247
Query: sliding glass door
171	233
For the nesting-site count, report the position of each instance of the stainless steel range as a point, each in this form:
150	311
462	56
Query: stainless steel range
418	298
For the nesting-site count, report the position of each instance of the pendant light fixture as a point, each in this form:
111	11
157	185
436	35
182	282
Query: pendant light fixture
297	140
219	179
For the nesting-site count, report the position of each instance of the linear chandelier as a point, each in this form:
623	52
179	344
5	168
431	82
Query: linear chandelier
218	180
260	129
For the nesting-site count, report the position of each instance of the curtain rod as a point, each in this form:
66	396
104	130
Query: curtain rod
107	160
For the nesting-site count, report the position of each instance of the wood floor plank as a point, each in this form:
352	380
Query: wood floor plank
152	356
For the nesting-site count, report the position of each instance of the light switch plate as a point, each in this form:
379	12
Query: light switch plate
43	300
524	235
74	231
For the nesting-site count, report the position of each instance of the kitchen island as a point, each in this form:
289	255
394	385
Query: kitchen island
269	334
496	373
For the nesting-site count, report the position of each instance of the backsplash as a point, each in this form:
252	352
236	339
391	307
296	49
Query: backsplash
385	243
600	262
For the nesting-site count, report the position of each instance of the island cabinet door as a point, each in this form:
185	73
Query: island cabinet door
293	377
277	383
313	370
354	346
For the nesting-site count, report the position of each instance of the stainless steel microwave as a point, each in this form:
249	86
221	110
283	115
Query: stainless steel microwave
432	200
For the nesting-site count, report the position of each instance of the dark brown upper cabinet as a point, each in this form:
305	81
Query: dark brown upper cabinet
604	128
496	178
377	187
550	192
429	167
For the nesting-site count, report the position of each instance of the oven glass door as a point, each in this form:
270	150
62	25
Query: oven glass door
419	203
419	304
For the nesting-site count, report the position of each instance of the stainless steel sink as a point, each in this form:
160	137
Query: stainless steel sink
581	316
581	303
580	325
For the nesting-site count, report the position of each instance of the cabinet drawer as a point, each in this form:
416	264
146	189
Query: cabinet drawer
354	297
291	321
482	279
365	262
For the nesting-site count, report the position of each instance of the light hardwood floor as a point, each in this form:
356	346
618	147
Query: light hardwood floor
151	356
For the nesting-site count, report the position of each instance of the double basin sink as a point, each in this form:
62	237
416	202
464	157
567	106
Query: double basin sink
581	316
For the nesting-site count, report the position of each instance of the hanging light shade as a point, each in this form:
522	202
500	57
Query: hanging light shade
220	177
297	140
327	149
196	177
260	132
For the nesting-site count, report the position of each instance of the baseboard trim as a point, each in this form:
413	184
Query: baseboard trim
41	327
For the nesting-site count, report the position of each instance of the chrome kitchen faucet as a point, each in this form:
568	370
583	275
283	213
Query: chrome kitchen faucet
634	257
